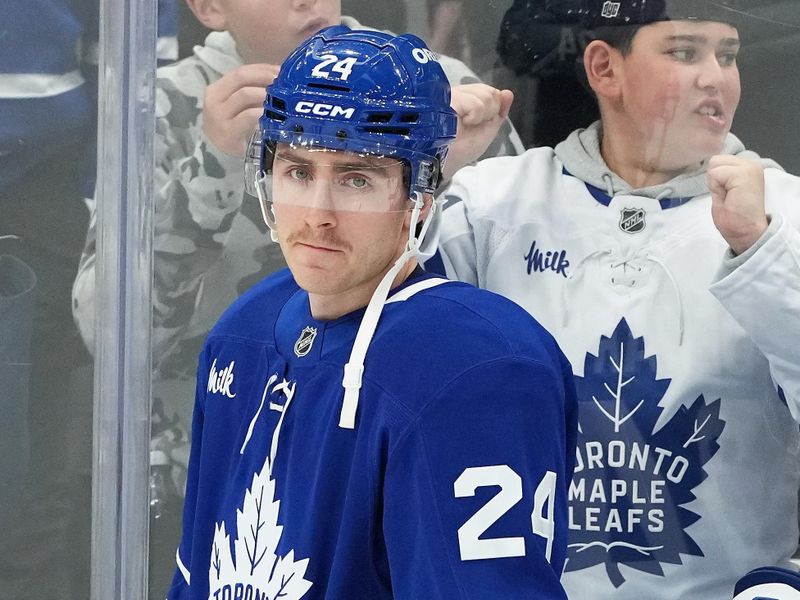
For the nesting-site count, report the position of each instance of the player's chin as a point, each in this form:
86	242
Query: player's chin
315	278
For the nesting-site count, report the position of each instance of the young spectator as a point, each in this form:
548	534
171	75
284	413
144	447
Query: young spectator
663	257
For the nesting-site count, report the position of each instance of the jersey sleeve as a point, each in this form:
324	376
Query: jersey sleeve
181	581
475	496
762	292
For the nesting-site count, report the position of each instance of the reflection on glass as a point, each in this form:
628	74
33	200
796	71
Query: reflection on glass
47	134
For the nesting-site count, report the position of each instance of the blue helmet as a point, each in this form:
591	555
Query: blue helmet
366	92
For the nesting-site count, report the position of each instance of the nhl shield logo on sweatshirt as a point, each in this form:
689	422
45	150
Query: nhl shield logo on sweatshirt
631	220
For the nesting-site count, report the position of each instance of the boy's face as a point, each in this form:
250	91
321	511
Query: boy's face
679	89
266	31
342	218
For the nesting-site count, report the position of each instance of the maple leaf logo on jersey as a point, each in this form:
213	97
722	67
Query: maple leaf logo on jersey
631	482
255	570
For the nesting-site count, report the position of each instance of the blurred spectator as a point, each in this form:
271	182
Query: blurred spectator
539	47
48	115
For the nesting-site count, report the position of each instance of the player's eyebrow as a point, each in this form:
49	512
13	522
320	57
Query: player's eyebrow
290	156
360	163
351	162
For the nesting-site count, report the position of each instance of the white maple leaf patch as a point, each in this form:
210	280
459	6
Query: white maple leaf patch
254	570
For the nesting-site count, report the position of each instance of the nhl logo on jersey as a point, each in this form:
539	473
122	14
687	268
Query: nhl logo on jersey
631	220
303	344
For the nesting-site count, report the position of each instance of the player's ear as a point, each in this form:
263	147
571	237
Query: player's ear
426	208
602	64
428	199
210	13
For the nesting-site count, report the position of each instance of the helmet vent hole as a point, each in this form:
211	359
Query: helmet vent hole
341	134
384	117
329	86
298	129
271	114
277	103
409	118
389	130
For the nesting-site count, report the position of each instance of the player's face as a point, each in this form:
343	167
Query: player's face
268	30
680	88
342	220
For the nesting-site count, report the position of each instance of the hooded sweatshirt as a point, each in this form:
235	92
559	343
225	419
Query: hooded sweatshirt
685	358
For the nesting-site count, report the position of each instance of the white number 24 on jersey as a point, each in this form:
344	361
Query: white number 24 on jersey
471	545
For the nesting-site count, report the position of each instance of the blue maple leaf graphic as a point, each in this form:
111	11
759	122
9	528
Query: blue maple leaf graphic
631	482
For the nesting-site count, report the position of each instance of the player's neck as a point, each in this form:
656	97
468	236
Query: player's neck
327	307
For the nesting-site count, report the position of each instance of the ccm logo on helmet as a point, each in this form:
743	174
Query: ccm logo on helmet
324	110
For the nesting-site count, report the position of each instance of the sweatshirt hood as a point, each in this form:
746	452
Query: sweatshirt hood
580	155
219	52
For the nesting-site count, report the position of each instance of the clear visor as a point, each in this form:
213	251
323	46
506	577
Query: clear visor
327	179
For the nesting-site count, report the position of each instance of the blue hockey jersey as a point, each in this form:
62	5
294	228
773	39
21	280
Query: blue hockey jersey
453	483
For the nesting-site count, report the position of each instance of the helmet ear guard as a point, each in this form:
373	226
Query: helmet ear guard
257	168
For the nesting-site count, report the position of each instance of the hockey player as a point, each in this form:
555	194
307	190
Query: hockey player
663	257
346	445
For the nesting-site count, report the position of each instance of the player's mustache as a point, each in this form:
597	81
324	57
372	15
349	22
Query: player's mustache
324	239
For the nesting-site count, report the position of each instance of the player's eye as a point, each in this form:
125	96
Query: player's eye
298	173
356	181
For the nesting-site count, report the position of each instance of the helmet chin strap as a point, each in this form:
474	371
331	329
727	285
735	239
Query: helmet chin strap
354	369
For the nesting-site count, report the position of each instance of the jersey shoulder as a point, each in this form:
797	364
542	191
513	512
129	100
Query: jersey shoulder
444	331
252	316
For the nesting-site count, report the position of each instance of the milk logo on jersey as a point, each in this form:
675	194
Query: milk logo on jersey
628	496
610	9
254	569
303	344
631	220
219	382
541	260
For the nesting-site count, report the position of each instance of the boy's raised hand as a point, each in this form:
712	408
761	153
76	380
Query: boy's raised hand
481	111
233	104
737	200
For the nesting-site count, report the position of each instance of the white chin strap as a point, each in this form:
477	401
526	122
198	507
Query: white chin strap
354	369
